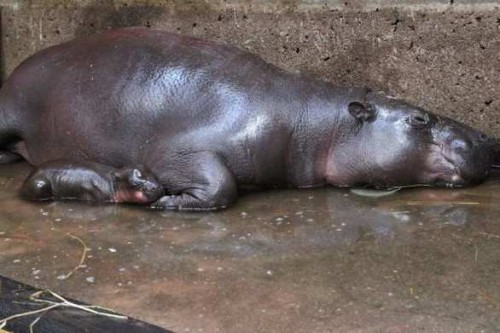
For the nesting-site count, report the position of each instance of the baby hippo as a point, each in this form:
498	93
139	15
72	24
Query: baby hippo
89	181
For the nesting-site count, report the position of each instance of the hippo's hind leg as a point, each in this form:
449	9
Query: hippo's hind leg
202	183
9	135
6	142
7	157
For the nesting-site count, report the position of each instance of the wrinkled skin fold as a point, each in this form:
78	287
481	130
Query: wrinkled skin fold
208	119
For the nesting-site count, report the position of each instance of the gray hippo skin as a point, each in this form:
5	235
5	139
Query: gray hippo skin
209	119
90	181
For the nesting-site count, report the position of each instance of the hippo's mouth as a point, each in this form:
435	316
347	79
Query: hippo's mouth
459	162
443	167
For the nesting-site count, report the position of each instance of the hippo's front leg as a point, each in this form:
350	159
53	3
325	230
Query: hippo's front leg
204	183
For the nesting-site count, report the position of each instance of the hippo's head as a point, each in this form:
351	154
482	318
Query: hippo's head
137	185
390	143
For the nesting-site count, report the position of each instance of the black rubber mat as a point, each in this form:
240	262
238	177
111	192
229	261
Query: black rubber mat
18	298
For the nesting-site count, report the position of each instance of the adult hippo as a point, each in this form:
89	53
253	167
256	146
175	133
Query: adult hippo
208	119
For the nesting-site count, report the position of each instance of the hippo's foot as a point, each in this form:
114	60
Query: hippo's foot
9	157
205	184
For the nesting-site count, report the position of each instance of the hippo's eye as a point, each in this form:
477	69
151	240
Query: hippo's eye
418	120
136	178
137	173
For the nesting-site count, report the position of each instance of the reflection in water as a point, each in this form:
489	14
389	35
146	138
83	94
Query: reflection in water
294	261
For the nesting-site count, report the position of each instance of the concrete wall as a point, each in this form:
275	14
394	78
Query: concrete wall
443	54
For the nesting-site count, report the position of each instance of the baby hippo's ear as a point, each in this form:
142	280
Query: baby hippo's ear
121	174
362	111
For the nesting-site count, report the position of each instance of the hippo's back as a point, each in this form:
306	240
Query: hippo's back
107	97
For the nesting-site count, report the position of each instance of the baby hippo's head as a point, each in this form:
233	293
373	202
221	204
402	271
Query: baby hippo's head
137	185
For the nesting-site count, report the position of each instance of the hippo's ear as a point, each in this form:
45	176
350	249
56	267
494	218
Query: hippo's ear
361	111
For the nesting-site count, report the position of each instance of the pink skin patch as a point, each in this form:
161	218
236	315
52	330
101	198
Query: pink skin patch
139	196
130	196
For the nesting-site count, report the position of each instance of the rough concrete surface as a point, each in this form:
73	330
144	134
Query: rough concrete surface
442	55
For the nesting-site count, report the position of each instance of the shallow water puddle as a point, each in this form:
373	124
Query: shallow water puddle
279	261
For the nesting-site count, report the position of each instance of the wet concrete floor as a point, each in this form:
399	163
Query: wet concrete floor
323	260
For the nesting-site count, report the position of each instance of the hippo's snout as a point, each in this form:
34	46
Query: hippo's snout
467	153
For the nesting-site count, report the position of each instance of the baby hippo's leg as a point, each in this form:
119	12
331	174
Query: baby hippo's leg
89	181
